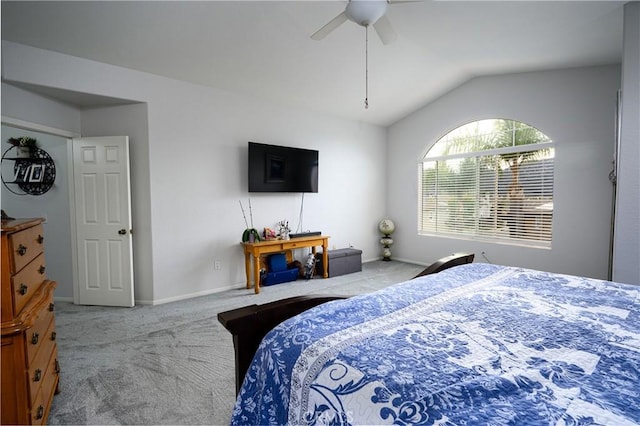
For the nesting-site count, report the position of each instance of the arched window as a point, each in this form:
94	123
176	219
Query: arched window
489	180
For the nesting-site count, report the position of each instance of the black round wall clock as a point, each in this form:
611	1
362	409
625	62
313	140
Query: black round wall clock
28	170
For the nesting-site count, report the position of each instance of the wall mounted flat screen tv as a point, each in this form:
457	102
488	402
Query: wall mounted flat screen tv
274	168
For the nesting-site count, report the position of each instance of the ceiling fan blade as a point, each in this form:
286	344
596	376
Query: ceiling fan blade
385	30
332	25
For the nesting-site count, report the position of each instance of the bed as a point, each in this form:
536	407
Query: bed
473	344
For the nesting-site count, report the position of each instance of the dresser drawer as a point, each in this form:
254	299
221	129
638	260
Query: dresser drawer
24	246
39	409
42	336
30	369
26	282
42	371
44	391
290	245
52	376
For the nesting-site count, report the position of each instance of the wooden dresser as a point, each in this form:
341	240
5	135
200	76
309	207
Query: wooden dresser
29	355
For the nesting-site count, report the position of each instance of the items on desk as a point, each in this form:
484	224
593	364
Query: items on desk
269	234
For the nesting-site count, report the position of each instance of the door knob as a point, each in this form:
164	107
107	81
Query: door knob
122	232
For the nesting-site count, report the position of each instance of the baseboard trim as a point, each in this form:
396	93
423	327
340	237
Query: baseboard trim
170	299
219	289
398	259
190	295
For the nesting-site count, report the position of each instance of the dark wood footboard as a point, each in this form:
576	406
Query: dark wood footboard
250	324
447	262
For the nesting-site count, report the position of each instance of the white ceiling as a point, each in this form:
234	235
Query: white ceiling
263	48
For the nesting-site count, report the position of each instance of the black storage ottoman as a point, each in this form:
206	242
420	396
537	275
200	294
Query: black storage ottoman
341	262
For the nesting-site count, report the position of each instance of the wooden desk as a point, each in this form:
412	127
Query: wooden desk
277	246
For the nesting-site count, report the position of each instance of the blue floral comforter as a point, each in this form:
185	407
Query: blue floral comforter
473	345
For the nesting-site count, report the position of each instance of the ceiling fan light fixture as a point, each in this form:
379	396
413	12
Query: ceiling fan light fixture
366	12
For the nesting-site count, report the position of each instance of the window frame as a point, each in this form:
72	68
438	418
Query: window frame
545	153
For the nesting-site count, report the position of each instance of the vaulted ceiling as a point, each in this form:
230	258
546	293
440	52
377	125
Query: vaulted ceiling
263	48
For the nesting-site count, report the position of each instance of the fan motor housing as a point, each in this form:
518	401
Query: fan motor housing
366	12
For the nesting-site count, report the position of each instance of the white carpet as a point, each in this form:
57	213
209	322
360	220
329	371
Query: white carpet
172	363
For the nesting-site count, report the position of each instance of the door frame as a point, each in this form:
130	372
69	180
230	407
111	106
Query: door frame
69	135
73	218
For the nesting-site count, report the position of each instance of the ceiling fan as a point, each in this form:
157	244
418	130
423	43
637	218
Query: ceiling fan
364	13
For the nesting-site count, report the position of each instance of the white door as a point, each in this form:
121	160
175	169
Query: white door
103	221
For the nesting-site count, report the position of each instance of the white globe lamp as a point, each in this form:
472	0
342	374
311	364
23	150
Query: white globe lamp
386	227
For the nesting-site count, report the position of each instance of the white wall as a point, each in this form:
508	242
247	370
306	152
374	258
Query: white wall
32	108
131	120
197	142
52	205
189	165
575	108
626	264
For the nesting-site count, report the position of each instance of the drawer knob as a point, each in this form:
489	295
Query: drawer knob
40	239
40	413
37	375
35	338
53	335
42	269
57	367
22	250
52	307
23	289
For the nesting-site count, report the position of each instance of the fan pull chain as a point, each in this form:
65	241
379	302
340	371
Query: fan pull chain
366	67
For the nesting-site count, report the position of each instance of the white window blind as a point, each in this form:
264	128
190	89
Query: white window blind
489	180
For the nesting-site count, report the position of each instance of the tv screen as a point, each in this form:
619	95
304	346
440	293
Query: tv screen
274	168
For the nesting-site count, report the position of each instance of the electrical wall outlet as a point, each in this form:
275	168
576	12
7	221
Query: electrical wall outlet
217	264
